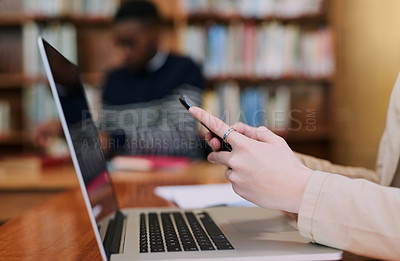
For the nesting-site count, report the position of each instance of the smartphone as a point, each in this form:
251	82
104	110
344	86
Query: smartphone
187	104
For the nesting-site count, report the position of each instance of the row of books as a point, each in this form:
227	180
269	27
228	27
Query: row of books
53	8
253	8
40	108
270	50
61	35
273	106
276	107
256	106
39	105
5	120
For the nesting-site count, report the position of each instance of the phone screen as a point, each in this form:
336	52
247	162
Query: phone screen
187	104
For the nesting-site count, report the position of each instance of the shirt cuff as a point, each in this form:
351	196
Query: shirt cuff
309	203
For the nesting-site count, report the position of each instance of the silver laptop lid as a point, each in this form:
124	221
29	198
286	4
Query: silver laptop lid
81	135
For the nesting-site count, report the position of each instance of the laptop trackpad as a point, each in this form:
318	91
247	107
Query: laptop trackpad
267	225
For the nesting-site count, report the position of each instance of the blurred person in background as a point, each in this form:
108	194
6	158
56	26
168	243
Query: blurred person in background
141	114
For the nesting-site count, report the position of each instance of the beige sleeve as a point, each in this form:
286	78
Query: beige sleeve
325	165
351	214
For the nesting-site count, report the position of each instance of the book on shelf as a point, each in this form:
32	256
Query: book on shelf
269	50
229	100
61	35
280	108
10	8
5	122
253	8
254	102
39	106
10	51
280	113
58	8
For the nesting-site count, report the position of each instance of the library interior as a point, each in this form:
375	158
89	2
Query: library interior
318	73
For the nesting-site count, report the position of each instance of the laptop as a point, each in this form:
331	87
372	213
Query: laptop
230	233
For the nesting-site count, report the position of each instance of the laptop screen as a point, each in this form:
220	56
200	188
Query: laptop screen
83	133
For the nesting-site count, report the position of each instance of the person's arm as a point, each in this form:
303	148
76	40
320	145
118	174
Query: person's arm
325	165
351	214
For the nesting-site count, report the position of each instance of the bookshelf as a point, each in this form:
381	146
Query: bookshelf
243	46
22	79
89	27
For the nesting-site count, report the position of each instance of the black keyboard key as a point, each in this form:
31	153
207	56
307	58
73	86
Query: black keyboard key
215	233
171	239
206	247
181	237
187	240
199	233
143	246
156	241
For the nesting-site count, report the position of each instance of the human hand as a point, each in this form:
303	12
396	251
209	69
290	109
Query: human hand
261	167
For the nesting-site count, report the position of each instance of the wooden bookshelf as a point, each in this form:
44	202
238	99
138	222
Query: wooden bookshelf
312	19
13	138
316	141
282	80
14	82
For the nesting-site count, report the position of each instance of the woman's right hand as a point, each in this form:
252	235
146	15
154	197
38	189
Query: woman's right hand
261	166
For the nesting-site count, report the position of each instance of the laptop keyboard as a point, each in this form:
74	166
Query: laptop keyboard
174	232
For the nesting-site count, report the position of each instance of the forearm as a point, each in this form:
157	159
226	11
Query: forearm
327	166
351	214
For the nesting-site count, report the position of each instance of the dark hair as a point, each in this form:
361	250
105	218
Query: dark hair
140	10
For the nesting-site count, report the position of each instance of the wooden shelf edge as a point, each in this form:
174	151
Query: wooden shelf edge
20	80
204	17
12	80
13	138
22	18
252	80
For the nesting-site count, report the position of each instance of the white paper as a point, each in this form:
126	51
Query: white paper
200	196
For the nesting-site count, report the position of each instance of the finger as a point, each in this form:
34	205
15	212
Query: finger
228	172
246	130
261	133
213	142
216	125
221	157
266	135
216	144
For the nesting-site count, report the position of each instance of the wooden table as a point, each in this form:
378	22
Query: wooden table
24	184
59	229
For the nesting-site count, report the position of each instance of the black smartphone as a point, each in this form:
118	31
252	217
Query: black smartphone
187	104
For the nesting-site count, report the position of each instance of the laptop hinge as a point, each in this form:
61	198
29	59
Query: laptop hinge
112	239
